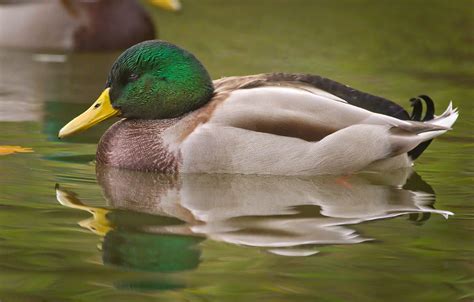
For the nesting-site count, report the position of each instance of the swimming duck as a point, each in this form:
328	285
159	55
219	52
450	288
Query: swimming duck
67	25
176	119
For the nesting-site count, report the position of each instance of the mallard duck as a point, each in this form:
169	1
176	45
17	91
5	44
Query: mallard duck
176	119
67	25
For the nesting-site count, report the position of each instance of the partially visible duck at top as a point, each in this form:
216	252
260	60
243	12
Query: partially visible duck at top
77	25
176	119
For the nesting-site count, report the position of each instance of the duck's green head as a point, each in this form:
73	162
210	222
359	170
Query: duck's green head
150	80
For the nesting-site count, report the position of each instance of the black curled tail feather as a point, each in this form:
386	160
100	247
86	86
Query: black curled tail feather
417	109
417	104
430	109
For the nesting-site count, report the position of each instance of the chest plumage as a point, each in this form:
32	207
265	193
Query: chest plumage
138	145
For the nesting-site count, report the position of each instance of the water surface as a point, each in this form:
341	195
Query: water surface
72	231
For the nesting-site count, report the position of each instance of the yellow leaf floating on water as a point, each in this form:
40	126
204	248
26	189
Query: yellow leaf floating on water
5	150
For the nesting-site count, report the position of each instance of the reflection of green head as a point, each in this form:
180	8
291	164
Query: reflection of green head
151	252
148	285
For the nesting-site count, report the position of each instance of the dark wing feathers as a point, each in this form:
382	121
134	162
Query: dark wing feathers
355	97
352	96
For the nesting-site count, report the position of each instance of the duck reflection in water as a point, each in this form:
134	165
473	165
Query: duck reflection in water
155	222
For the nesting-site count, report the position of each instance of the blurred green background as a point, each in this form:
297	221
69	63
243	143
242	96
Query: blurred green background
396	49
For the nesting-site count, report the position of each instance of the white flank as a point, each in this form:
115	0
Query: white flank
353	139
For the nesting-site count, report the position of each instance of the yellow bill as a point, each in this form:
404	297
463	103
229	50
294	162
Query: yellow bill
101	110
172	5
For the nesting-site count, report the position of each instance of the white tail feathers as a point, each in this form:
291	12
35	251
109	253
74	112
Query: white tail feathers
446	120
415	133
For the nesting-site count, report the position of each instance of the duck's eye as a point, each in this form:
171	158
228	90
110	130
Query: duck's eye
132	77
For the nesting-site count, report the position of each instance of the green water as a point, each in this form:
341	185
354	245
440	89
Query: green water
111	235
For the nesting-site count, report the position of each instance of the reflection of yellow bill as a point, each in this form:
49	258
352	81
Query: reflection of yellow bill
101	110
98	223
172	5
5	150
